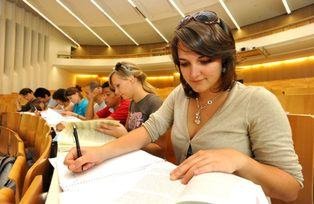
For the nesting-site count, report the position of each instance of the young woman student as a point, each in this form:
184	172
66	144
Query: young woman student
130	82
218	123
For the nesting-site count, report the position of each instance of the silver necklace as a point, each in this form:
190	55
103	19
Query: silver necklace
197	119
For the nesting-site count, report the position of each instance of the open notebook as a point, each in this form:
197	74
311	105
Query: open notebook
139	177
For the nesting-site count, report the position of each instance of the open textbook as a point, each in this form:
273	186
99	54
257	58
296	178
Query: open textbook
141	178
87	133
86	129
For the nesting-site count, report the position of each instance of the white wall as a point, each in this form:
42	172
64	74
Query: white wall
28	49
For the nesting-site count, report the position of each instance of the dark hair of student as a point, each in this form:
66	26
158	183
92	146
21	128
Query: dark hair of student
41	92
107	85
206	34
73	90
25	91
127	69
59	94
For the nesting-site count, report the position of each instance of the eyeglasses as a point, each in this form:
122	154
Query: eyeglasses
206	17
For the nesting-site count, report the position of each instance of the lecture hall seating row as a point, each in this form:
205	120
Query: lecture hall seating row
33	134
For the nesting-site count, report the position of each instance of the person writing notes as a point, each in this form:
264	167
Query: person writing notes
218	124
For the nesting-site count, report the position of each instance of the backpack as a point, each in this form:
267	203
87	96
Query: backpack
6	163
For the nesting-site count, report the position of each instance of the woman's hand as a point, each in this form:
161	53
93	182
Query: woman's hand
113	130
90	157
216	160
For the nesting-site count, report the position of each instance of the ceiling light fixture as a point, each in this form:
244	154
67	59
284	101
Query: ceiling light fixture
54	25
82	22
112	20
148	21
132	3
177	8
159	33
229	14
285	3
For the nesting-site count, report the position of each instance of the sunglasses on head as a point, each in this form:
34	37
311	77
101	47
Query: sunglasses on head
206	17
120	67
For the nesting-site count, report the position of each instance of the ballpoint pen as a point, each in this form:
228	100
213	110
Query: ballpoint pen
77	143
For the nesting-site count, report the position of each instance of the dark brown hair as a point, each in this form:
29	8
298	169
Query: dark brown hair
60	95
213	40
73	90
25	91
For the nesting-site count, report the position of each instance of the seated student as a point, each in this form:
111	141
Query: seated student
44	96
99	99
130	82
33	104
218	124
80	103
116	109
99	102
63	103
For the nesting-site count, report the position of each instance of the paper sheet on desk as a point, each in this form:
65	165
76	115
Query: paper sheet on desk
124	164
53	117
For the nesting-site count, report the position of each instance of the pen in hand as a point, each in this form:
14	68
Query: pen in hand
77	143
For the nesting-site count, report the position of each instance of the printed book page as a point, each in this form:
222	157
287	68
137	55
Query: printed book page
221	188
91	124
87	134
154	187
86	138
216	188
124	164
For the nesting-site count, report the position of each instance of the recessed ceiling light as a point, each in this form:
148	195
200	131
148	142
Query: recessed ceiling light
112	20
148	21
285	3
229	14
177	8
82	22
47	19
159	33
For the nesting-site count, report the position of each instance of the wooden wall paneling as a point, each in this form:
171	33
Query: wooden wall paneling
303	137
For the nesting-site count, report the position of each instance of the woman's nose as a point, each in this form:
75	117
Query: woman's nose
194	72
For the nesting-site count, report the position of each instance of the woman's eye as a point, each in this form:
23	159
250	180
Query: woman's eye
207	61
183	64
